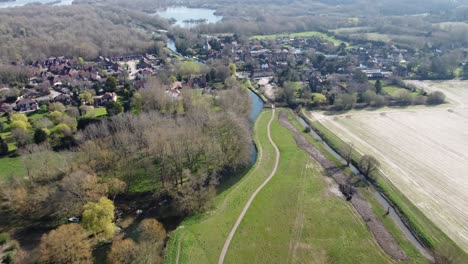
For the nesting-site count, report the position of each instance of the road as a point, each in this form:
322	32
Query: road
249	202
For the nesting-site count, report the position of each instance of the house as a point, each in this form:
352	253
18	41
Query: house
65	99
27	105
105	99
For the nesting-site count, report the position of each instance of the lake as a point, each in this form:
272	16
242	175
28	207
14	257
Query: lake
25	2
181	14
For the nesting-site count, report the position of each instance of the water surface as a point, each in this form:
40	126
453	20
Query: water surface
25	2
181	14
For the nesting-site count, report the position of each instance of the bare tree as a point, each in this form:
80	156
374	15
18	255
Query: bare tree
368	165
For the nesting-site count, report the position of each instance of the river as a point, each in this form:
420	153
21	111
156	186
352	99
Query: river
25	2
385	204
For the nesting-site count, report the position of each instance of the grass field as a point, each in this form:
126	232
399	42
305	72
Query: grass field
11	167
293	219
423	152
413	253
335	41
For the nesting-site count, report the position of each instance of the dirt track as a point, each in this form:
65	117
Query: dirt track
249	202
383	237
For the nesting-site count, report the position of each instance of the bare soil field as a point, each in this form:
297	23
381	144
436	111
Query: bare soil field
423	152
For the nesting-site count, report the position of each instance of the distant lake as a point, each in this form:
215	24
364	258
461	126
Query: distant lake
25	2
182	14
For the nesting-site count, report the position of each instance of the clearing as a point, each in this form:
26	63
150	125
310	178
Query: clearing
295	218
423	152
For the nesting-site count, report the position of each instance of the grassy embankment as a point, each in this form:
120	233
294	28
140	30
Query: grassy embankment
307	34
426	232
392	227
293	219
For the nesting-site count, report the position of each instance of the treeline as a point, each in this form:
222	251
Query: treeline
181	148
37	32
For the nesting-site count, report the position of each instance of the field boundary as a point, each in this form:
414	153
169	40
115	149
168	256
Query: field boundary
428	234
249	202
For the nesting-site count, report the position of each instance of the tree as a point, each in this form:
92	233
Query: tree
66	244
359	76
3	147
367	165
114	108
135	103
345	101
19	117
86	98
152	230
115	187
98	217
40	136
56	116
436	98
348	153
123	251
378	87
111	84
57	106
21	136
233	69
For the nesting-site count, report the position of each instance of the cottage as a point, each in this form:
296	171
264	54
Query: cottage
105	99
27	105
65	99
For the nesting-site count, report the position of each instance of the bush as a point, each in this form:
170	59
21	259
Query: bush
4	238
436	98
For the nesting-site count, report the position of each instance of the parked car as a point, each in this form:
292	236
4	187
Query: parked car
74	220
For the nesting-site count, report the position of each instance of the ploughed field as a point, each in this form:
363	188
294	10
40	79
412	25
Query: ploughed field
422	151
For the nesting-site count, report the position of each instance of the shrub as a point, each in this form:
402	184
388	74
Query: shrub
436	98
4	238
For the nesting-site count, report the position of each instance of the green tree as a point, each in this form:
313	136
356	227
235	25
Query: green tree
135	103
19	117
114	108
233	69
86	98
3	147
25	126
111	84
378	87
66	244
98	217
40	136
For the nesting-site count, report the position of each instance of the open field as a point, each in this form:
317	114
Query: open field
335	41
423	152
296	218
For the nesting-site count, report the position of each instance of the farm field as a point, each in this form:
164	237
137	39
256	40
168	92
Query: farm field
296	218
423	152
335	41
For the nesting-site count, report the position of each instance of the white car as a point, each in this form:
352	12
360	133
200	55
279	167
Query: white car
74	220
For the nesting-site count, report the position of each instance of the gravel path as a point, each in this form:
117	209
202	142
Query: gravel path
249	202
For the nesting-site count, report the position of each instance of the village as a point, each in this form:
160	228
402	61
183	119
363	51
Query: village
312	71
